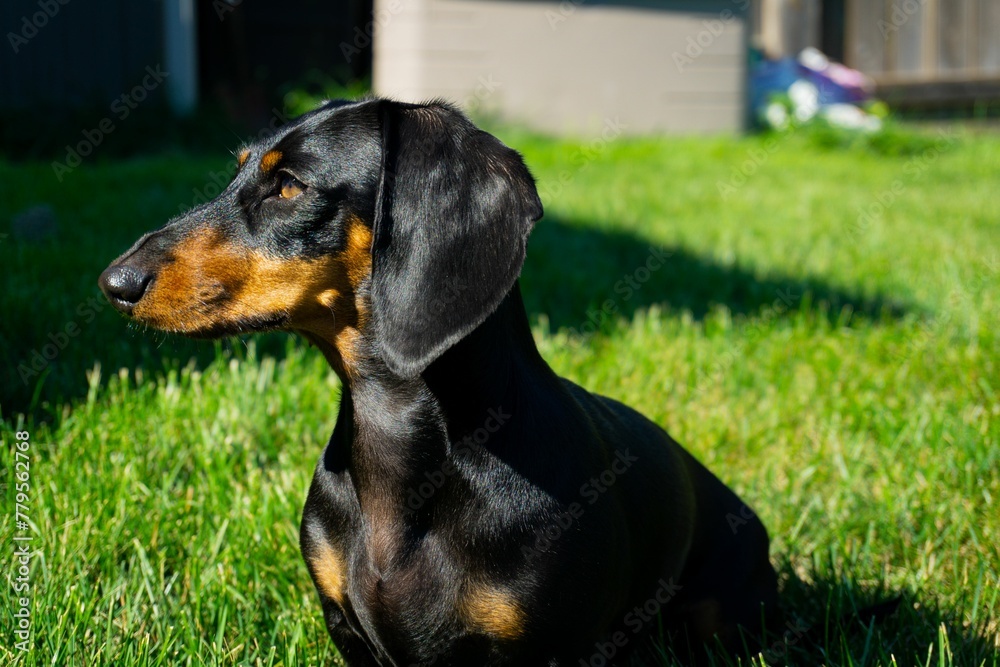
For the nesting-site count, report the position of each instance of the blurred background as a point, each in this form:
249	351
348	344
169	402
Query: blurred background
770	225
656	66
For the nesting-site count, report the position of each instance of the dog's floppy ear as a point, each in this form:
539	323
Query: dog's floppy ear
455	207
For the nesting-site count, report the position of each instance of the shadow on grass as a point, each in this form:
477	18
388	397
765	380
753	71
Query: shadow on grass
835	620
574	269
580	277
826	628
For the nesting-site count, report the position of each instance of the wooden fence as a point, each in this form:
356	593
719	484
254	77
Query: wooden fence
926	51
76	52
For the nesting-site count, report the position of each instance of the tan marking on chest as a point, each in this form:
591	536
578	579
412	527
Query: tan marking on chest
328	571
492	611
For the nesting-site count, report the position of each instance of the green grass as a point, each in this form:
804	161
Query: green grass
842	376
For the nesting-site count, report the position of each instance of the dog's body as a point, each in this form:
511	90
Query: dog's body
531	548
472	508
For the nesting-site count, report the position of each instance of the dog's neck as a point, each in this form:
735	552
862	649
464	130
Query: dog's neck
487	369
395	434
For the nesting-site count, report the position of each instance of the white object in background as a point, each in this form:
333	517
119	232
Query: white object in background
776	115
805	100
851	117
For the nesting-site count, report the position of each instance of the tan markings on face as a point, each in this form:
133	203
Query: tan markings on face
241	159
213	282
492	611
327	567
349	315
270	161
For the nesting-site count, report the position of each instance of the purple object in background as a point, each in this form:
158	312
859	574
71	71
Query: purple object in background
836	83
815	86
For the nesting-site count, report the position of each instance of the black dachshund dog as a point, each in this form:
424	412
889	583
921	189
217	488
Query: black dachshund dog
471	508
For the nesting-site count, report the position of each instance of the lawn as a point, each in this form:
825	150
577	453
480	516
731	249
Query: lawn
821	332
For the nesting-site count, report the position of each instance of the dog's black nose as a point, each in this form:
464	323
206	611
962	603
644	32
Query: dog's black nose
124	286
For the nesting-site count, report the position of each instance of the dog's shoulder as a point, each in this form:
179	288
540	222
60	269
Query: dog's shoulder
612	416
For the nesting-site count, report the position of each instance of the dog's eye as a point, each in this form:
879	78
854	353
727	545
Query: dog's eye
290	186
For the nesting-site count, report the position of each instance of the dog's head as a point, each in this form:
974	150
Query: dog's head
403	224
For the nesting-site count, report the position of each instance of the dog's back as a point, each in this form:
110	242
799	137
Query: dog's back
693	535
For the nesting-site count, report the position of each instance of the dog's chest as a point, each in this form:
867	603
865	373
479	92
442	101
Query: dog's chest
396	592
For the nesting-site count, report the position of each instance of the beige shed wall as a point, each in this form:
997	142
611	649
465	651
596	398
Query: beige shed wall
569	68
